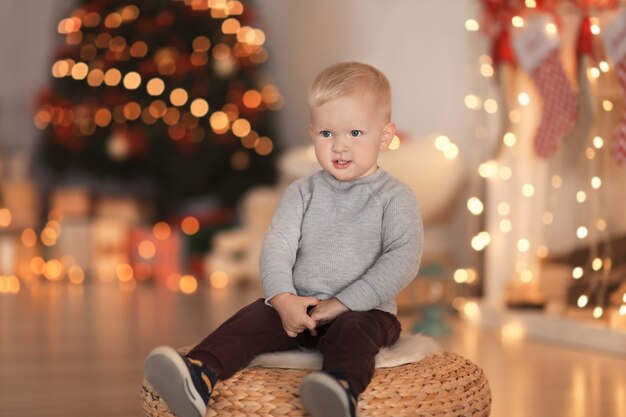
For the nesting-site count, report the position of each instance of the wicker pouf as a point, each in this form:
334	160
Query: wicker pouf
444	384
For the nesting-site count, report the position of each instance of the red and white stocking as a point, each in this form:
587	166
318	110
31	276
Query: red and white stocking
619	141
559	104
614	36
538	53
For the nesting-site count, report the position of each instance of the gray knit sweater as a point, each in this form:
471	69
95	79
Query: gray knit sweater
360	241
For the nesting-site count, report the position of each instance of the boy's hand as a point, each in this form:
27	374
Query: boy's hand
292	310
328	310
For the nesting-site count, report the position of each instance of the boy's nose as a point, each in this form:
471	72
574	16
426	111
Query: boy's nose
339	146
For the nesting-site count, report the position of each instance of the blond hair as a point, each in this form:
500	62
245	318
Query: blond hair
349	77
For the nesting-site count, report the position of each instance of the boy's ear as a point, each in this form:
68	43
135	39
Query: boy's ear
389	132
311	132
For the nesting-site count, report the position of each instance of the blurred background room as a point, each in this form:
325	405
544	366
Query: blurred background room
144	145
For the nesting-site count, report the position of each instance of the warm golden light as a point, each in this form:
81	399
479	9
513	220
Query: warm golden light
112	77
124	272
604	66
219	279
199	107
491	106
102	117
505	225
488	169
179	96
190	225
252	99
597	312
517	21
581	232
9	284
475	206
460	276
5	217
523	99
481	241
76	275
472	25
146	249
201	44
556	181
114	20
509	139
270	94
582	301
161	231
230	26
523	245
241	128
139	49
596	264
512	332
581	196
528	190
607	105
395	143
53	270
155	87
472	102
188	284
577	272
504	209
132	80
130	12
598	142
95	78
219	122
595	29
29	237
80	71
172	116
264	146
132	110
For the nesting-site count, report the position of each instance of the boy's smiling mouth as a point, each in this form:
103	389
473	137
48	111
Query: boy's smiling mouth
341	163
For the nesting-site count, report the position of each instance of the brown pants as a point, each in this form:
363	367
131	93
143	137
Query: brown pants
349	343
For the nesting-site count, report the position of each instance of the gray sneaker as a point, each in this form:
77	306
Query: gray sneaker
183	383
326	395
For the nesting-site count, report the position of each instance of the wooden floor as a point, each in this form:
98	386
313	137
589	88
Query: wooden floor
78	351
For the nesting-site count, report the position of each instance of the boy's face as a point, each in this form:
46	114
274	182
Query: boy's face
348	132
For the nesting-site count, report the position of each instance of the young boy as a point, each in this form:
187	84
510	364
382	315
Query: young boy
342	244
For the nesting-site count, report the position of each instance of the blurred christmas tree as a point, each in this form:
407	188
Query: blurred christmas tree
166	93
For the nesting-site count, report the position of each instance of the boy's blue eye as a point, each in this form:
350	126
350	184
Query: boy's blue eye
326	133
355	133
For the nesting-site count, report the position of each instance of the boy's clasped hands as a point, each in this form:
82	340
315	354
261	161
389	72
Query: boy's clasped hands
297	315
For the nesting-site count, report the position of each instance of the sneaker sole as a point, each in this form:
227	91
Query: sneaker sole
322	396
166	371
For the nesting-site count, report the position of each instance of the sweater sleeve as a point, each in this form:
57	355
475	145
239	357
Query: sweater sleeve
402	243
280	245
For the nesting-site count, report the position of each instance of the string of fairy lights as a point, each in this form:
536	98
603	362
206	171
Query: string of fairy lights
177	109
589	200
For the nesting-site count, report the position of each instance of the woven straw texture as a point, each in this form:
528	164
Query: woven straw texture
441	385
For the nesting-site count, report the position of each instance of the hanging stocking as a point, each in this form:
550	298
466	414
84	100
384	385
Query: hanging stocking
615	43
538	53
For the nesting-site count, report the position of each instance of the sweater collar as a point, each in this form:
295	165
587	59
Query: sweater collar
344	185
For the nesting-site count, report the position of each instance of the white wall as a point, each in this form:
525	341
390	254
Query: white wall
27	37
422	46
